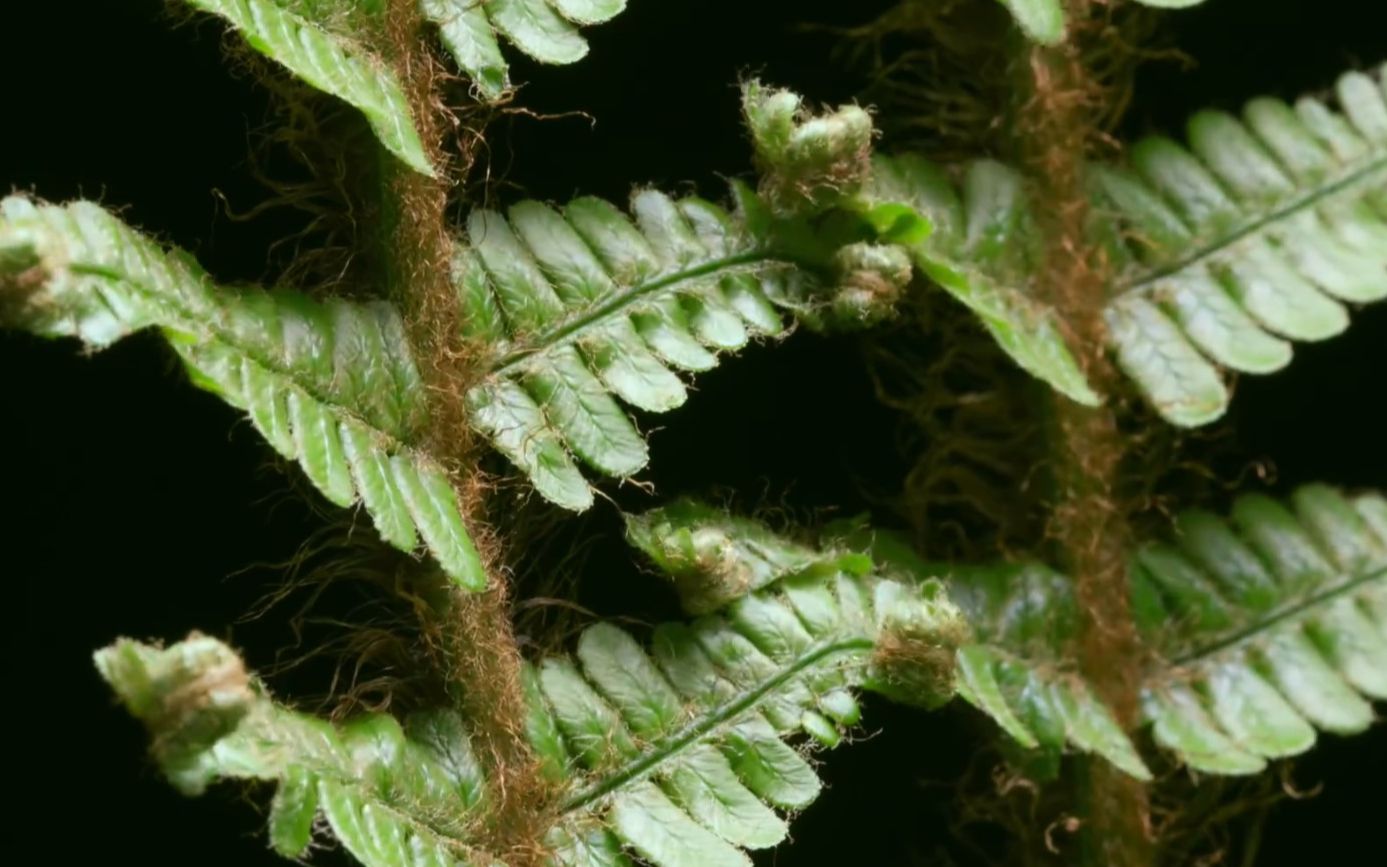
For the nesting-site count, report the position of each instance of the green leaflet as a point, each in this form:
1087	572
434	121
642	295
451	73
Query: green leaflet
1043	21
331	63
1257	235
677	753
331	386
1270	624
546	30
808	162
584	306
715	558
982	247
393	796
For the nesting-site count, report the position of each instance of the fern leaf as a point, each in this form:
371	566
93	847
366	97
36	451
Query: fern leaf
586	305
331	386
1272	624
1044	21
546	30
977	245
715	558
678	753
984	245
393	796
1266	626
331	63
583	306
1261	233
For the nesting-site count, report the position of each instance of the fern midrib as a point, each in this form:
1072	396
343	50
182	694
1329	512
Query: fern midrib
1282	615
673	744
1312	198
569	330
187	319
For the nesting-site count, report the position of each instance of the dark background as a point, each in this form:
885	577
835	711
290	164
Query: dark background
135	497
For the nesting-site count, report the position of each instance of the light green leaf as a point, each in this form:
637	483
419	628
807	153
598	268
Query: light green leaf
1261	232
332	386
546	30
976	242
1256	236
1041	20
667	753
1263	628
715	557
331	63
468	35
583	305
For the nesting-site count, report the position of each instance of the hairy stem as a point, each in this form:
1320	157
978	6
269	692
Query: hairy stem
472	631
1088	521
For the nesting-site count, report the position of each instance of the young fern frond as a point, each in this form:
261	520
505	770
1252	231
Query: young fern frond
714	558
983	247
678	753
584	305
1045	21
979	245
1263	628
330	62
1257	235
1221	255
1270	626
546	30
329	385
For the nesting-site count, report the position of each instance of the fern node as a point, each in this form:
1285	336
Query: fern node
189	696
914	658
808	163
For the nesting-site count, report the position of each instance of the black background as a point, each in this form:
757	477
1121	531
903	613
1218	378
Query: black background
135	498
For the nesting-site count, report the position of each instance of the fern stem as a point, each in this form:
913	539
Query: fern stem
473	631
1089	525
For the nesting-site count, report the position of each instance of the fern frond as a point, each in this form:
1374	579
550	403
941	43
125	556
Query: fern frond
393	796
546	30
332	63
1263	628
984	246
1044	21
1259	234
715	558
332	386
583	305
678	753
1271	625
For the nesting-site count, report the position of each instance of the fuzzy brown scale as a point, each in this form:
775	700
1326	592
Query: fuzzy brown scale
1059	125
919	665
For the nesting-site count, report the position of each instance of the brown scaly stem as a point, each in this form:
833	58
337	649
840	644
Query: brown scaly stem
1088	520
473	631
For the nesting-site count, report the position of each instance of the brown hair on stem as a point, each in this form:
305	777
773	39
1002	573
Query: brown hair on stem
472	632
1058	126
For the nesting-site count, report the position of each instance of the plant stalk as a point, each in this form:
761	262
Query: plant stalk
472	632
1088	522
